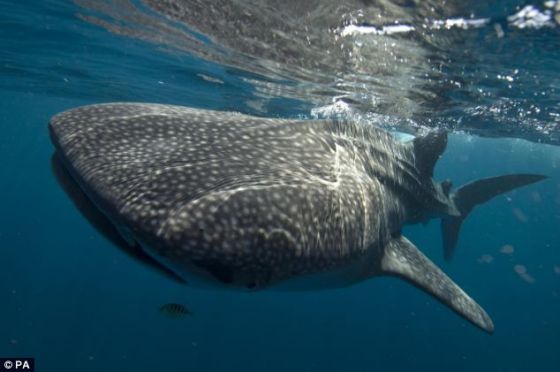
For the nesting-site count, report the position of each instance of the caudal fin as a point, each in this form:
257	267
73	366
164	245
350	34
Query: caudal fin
473	194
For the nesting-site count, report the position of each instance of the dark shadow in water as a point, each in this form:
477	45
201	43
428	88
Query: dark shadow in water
100	222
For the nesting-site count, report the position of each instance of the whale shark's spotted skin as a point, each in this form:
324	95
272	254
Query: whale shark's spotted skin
252	202
269	198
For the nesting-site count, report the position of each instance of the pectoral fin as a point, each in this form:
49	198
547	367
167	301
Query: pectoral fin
404	260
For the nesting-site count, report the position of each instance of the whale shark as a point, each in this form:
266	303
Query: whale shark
227	199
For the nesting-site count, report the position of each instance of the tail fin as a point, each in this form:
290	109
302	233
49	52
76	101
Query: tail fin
473	194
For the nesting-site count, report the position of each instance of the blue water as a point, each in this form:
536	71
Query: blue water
75	302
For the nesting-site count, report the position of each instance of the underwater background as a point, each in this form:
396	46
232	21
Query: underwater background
490	73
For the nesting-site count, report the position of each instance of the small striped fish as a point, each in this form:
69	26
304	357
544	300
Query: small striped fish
174	310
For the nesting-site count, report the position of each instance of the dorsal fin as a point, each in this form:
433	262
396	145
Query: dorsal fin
404	260
428	149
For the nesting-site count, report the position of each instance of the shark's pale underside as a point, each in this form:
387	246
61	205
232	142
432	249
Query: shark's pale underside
221	197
